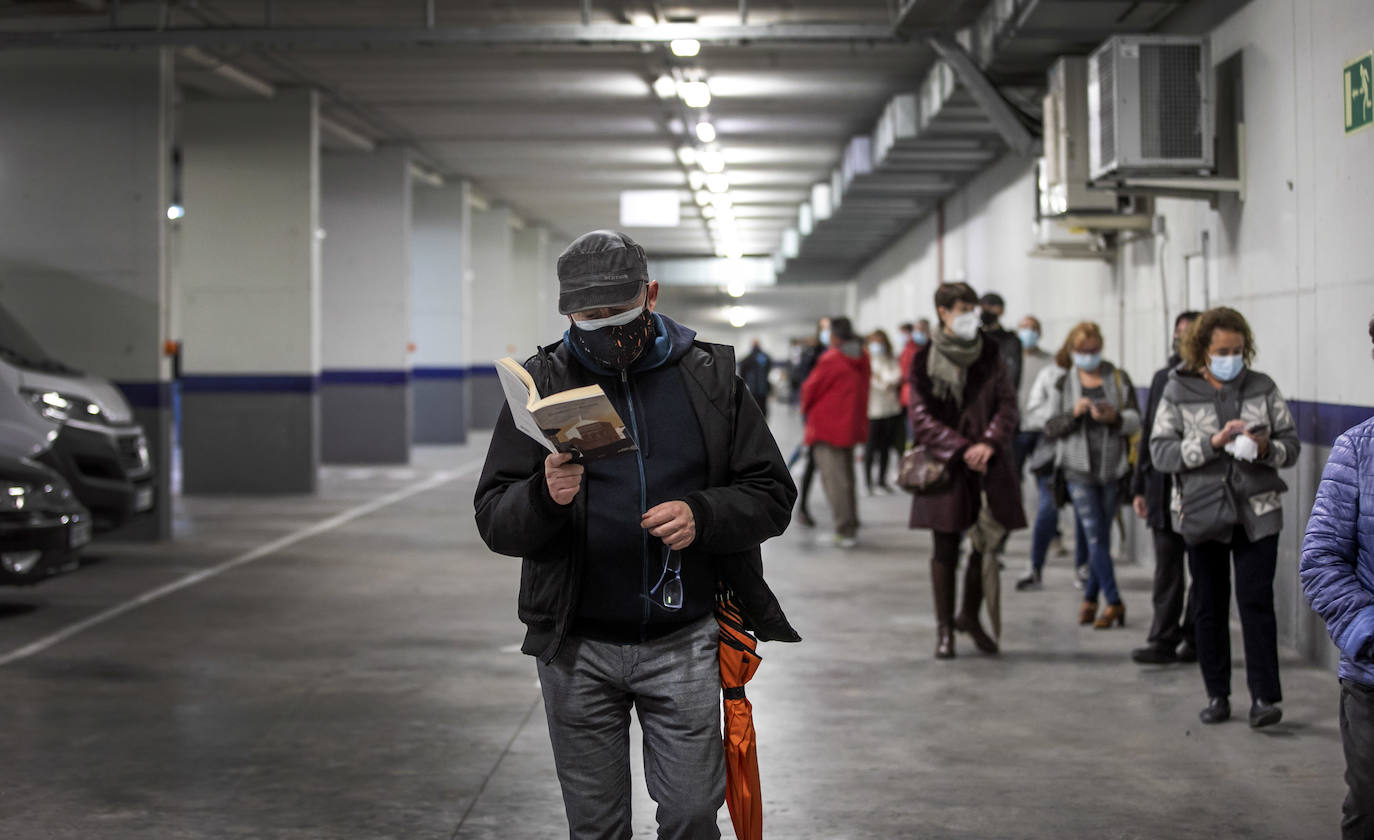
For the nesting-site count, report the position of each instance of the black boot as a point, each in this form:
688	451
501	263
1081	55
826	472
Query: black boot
967	622
1218	710
1264	713
942	581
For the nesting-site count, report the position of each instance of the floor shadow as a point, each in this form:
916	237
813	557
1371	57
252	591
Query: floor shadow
12	609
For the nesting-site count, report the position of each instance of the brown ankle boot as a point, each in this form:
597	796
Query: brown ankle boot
1087	612
967	621
942	582
1113	614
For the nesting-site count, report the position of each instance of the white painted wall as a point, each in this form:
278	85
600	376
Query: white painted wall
498	315
247	272
365	212
440	242
535	275
84	160
1292	257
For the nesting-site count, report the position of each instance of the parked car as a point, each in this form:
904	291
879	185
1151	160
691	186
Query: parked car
42	525
101	452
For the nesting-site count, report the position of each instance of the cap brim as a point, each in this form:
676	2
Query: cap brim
598	297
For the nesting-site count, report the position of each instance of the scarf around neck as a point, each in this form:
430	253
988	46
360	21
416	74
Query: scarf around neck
948	363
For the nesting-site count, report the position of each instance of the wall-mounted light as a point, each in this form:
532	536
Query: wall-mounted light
175	212
694	94
685	47
706	132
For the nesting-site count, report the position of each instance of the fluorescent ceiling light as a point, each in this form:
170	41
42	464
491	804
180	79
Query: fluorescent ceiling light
708	212
694	94
685	47
717	182
664	86
711	160
706	132
722	201
650	208
697	179
735	288
702	197
687	154
642	19
738	317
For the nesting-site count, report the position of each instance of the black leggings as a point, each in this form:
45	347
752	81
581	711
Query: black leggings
885	434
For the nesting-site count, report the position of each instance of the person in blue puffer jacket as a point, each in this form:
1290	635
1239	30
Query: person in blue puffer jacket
1337	572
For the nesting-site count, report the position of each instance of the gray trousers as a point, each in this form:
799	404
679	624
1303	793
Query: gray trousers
836	466
673	684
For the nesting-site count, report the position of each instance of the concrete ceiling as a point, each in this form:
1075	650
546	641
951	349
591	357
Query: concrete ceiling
556	124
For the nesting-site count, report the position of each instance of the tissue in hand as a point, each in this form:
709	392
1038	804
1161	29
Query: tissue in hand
1243	448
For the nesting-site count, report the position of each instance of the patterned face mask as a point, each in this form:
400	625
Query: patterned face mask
616	346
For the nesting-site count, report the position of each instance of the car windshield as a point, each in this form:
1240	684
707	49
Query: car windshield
20	348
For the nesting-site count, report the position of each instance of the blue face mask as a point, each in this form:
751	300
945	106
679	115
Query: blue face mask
920	338
1087	361
1029	337
875	348
825	338
1227	368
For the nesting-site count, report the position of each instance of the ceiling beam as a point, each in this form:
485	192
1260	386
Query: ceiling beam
502	35
998	111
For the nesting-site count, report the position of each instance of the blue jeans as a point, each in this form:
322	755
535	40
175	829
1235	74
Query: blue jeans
1095	505
1046	527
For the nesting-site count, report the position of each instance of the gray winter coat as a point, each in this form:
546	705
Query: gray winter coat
1051	410
1214	491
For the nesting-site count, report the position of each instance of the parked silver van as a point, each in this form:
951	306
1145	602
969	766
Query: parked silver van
101	452
42	525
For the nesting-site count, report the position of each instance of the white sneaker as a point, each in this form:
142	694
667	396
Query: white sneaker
846	542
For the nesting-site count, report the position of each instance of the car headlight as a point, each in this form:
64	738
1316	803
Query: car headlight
15	497
61	407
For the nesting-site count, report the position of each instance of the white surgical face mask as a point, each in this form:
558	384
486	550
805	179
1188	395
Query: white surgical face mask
966	326
611	321
875	348
1087	361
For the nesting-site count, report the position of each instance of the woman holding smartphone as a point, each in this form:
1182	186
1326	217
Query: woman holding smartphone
1089	415
1225	431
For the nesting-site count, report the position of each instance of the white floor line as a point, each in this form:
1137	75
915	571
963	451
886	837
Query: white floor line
203	575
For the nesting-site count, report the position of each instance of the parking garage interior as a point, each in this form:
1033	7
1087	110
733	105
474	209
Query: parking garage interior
258	260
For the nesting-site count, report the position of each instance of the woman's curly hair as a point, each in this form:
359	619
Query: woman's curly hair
1199	336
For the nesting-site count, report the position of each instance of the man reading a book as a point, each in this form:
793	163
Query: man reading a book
623	557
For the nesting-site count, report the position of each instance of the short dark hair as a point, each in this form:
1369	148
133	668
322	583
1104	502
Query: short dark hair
1198	340
993	299
907	326
949	294
1190	315
841	329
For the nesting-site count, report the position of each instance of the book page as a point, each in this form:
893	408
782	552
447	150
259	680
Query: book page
588	425
517	395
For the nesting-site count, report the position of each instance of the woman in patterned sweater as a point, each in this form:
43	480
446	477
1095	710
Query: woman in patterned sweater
1225	431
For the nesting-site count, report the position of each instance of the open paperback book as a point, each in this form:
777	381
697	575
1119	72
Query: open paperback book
581	421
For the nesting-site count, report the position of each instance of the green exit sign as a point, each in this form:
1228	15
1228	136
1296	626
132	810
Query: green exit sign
1359	93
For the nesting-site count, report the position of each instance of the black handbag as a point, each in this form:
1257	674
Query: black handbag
921	472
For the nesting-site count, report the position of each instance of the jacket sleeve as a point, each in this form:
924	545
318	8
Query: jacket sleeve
515	513
1143	465
757	503
1173	448
1002	429
943	442
1130	407
1284	445
1041	404
814	386
1330	550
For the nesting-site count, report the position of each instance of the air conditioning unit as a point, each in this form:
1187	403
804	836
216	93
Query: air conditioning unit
1064	171
1150	106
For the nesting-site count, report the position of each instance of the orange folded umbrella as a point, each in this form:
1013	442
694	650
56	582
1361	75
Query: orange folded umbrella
739	659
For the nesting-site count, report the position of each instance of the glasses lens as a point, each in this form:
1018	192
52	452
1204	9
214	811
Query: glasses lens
672	594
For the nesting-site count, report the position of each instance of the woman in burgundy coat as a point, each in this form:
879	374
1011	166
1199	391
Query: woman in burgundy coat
963	411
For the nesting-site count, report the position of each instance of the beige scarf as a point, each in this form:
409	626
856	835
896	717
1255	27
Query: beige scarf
948	363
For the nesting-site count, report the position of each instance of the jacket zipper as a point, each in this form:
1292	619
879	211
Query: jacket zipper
643	498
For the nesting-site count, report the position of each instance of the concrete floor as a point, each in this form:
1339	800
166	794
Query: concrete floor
347	666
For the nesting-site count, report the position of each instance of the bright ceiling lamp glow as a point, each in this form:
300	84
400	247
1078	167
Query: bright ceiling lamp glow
702	197
696	179
175	212
687	154
717	183
706	132
708	212
735	288
737	316
722	201
664	86
711	160
694	94
642	19
685	47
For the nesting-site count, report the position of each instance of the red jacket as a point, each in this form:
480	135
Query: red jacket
834	400
908	353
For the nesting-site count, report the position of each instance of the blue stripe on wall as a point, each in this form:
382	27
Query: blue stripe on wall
482	370
248	384
365	377
147	394
1319	424
440	373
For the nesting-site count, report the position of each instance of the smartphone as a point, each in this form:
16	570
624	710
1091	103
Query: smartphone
1258	429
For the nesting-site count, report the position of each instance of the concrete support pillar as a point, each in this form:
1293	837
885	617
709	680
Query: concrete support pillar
493	314
440	243
248	271
84	184
365	385
539	324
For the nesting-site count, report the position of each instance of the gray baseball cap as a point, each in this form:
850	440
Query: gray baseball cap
599	269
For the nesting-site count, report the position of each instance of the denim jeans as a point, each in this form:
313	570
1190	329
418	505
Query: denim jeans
1046	527
673	684
1095	505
